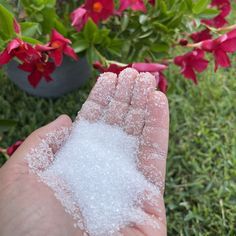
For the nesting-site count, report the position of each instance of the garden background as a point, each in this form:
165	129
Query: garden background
200	191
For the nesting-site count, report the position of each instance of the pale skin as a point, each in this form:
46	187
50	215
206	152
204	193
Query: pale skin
29	208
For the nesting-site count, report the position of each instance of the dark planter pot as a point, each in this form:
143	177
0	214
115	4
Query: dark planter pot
67	77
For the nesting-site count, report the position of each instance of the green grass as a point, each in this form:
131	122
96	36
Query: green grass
201	169
201	173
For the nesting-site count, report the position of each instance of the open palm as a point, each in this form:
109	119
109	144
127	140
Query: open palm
28	207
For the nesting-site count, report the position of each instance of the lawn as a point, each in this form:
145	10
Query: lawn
201	168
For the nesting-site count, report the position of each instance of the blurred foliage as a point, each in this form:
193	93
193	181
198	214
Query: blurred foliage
131	36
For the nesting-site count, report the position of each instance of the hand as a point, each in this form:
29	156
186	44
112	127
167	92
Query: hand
29	207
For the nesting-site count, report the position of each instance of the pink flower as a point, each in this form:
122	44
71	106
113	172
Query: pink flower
224	7
97	10
220	47
16	26
79	18
201	35
135	5
57	46
155	69
112	68
18	48
13	147
38	69
191	62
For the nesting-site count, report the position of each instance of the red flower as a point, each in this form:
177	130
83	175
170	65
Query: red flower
191	62
155	69
79	18
20	49
162	83
135	5
38	69
13	147
224	7
99	10
200	36
57	46
220	47
112	67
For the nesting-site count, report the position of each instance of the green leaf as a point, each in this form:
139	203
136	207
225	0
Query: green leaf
80	46
31	40
6	124
189	4
6	23
7	5
209	13
90	30
145	35
48	23
159	47
101	36
124	22
115	46
200	6
161	27
91	55
60	27
162	5
29	29
143	19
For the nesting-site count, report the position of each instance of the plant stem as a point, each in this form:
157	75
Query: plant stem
227	28
103	59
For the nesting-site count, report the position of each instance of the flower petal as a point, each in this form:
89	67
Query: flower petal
49	68
200	65
16	26
201	35
231	34
56	36
148	67
137	5
57	56
43	48
189	73
13	147
26	67
15	43
221	58
5	57
162	85
34	78
79	17
229	45
69	51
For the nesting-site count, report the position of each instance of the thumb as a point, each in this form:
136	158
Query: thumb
51	135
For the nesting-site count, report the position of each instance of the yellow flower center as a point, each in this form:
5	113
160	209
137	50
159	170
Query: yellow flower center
40	67
56	44
97	7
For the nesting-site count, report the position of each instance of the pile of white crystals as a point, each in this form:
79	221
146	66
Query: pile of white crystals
95	177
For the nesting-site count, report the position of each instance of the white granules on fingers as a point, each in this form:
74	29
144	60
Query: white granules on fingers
95	177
